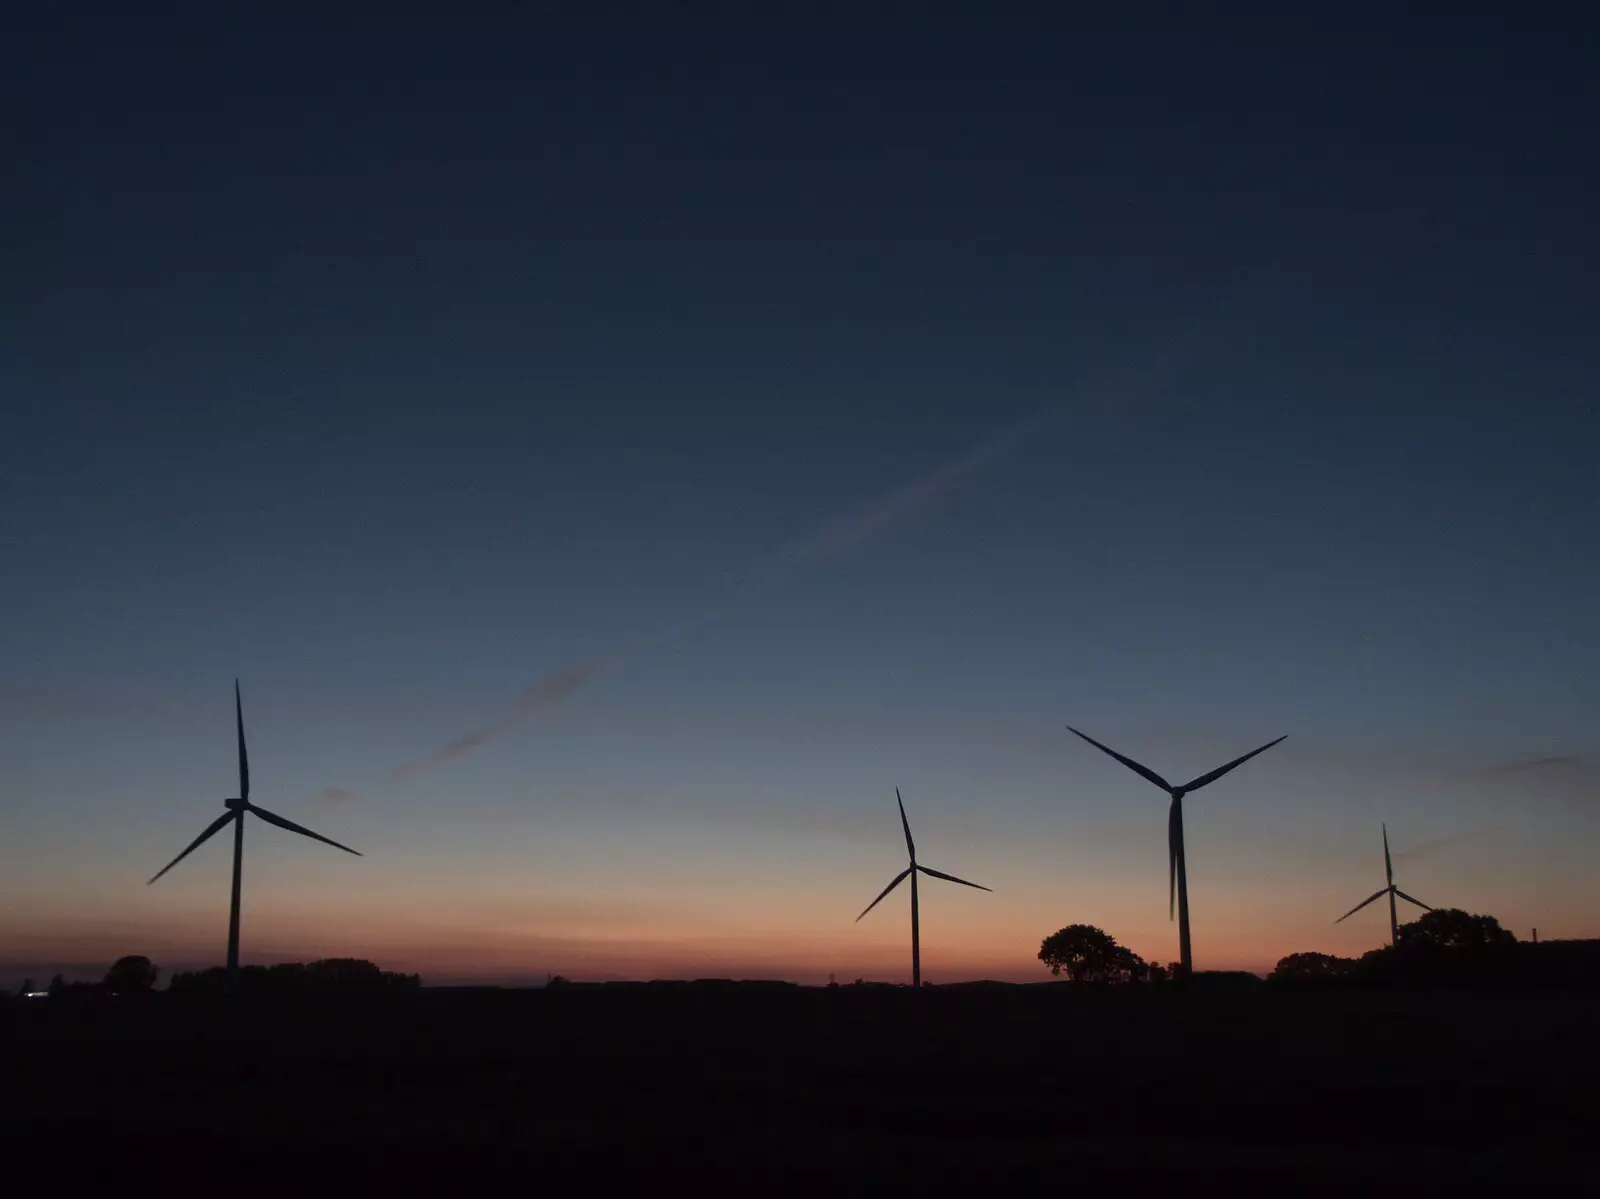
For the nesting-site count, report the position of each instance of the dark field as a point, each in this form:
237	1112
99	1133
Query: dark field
1304	1092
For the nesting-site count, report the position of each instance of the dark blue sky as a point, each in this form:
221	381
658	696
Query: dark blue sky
393	365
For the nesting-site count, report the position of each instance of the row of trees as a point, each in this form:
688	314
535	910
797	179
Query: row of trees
136	975
1447	945
341	975
131	975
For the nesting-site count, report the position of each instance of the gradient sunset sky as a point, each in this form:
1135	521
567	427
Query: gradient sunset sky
613	459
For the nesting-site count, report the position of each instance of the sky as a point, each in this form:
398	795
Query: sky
613	458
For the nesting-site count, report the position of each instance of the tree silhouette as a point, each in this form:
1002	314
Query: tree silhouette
1125	966
1090	954
131	975
326	977
1453	930
1312	968
344	972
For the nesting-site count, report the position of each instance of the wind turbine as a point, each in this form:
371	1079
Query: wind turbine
237	807
1391	891
912	870
1177	870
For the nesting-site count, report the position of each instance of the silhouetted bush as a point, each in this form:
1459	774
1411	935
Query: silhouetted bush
76	994
1090	954
1455	931
1239	980
131	975
1320	969
1448	947
1559	964
328	977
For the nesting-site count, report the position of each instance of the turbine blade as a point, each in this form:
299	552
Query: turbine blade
898	879
1362	904
905	824
950	878
244	760
1128	762
273	818
1172	860
1388	863
1408	899
1212	776
211	830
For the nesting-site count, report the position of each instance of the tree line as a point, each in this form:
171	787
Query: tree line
1447	946
135	976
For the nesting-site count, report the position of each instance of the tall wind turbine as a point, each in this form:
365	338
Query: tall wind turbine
1177	869
912	870
1391	891
236	808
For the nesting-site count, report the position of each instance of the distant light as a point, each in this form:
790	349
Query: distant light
38	994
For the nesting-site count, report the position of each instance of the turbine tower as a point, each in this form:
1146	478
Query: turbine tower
1177	867
1391	891
913	869
236	809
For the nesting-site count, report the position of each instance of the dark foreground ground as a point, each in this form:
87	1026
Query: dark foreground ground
848	1089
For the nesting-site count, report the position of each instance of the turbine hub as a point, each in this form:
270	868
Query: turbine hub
1177	793
236	804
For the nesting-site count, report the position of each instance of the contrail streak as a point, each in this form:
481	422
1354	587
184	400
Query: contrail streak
860	526
1417	852
550	689
1524	766
878	518
855	529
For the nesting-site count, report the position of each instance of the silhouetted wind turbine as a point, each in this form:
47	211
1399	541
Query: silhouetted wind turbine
1177	869
912	870
1391	891
236	810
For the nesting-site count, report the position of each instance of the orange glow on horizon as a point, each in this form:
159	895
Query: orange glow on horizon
442	952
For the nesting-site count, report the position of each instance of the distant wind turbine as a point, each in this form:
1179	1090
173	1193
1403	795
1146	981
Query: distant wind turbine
1391	891
912	870
1177	870
235	813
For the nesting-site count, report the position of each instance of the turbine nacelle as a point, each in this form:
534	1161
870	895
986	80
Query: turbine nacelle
235	804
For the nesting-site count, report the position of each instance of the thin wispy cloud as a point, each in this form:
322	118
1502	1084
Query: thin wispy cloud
1416	853
873	521
550	689
857	528
334	795
1526	766
1566	778
878	518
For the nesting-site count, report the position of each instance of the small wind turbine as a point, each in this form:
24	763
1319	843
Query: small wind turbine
1391	891
912	870
236	810
1177	868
